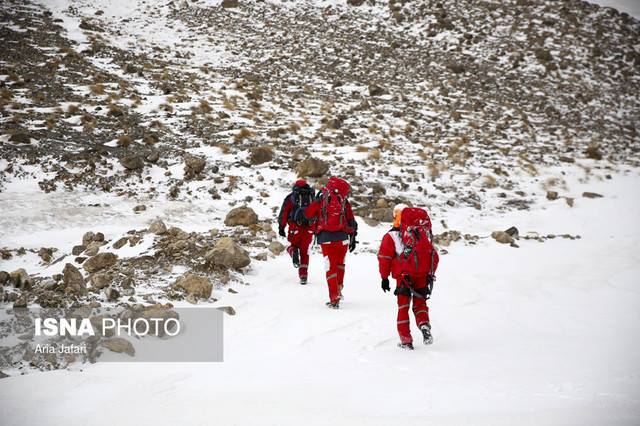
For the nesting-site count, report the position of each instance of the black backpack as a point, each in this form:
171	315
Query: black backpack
301	197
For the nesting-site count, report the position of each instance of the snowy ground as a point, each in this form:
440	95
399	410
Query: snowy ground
546	333
542	334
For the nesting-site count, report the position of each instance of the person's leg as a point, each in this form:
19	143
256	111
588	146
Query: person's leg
331	252
294	246
404	328
420	308
306	238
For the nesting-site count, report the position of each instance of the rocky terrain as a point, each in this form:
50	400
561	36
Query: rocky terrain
452	105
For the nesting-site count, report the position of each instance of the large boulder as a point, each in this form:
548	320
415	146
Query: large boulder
201	287
99	262
74	280
312	167
228	254
241	216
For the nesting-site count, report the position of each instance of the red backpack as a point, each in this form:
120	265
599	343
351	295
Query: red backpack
333	206
418	256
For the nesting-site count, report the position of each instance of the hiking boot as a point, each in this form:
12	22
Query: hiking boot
303	280
296	257
427	338
340	290
333	305
407	346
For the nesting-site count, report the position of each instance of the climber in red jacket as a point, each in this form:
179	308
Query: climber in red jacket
392	261
336	232
301	229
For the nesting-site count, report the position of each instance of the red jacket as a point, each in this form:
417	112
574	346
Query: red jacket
388	255
390	250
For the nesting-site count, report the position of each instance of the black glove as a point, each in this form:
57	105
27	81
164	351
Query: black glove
281	231
385	285
430	280
352	242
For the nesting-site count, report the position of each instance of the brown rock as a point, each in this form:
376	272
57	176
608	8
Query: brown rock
591	195
73	279
21	279
312	167
194	164
227	250
241	216
196	285
132	162
100	261
157	227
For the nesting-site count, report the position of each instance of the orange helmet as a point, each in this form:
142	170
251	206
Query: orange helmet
397	213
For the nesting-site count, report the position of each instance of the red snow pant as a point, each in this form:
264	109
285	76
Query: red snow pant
420	308
334	253
300	238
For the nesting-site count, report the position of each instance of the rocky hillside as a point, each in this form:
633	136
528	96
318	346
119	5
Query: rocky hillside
445	104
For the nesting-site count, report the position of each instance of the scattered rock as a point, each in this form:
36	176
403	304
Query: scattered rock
99	262
502	237
157	227
228	309
74	281
4	277
228	254
312	167
77	250
132	162
276	248
241	216
21	302
112	294
552	195
196	285
21	279
591	195
193	164
192	298
140	208
120	243
100	281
